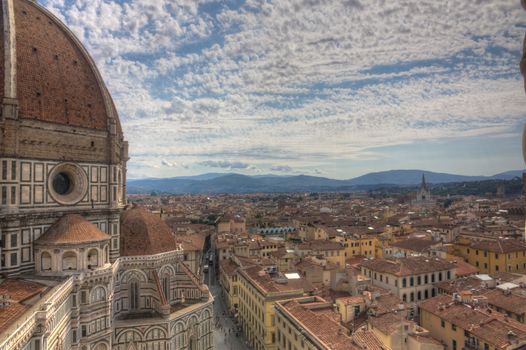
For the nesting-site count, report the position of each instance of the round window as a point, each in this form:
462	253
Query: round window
61	183
67	183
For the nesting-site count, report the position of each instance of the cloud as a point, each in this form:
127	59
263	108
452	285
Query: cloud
281	168
310	82
167	163
224	164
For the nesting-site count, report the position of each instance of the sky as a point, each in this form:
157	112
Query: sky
327	88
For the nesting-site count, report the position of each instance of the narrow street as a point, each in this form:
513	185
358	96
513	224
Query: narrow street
224	329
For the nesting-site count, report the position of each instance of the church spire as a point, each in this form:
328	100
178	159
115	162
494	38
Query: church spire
423	185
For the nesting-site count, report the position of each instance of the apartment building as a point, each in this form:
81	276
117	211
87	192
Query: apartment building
467	323
492	256
411	278
259	291
310	323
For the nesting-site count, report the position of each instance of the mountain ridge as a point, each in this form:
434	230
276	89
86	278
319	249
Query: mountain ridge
240	183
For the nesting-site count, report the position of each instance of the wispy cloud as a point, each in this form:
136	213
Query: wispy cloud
225	164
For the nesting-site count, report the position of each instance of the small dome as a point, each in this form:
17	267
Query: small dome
143	233
72	229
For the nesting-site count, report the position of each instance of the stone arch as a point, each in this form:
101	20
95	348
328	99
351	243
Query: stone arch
69	261
179	335
193	326
93	258
101	346
46	261
129	336
98	293
151	333
167	270
205	315
134	275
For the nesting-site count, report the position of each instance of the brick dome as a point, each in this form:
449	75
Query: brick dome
144	233
49	73
72	229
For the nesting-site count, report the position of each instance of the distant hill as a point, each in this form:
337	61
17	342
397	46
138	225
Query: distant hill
237	183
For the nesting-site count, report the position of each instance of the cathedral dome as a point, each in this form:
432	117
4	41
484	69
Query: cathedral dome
48	72
144	233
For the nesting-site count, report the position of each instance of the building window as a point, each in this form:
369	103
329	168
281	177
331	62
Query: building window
418	280
442	323
14	240
166	288
496	267
13	194
449	275
356	310
454	345
4	170
134	295
14	259
453	327
13	170
411	281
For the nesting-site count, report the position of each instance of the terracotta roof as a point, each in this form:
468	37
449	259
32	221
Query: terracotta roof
460	284
320	322
228	267
415	244
462	268
194	241
144	233
317	245
489	326
56	80
72	229
367	340
514	301
356	299
17	291
386	323
500	246
267	284
407	266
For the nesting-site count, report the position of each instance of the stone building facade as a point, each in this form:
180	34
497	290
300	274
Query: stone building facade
79	271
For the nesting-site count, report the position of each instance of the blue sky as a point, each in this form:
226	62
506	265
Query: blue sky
330	88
